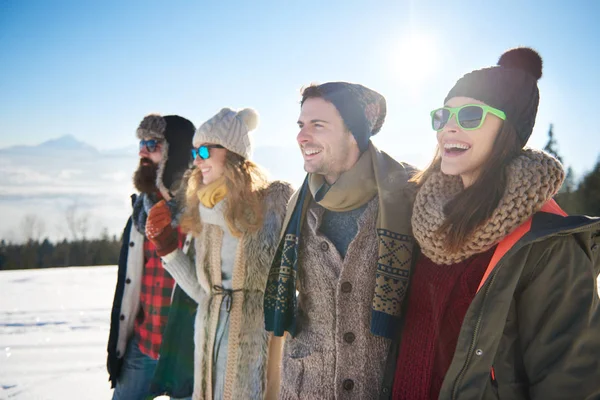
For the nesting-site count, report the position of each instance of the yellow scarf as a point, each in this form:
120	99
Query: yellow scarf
213	193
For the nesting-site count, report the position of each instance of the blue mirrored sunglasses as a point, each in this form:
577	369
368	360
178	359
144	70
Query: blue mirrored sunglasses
204	151
150	145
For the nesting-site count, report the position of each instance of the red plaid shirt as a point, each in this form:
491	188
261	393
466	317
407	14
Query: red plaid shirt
155	300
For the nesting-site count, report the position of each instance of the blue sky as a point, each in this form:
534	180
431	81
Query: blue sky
93	69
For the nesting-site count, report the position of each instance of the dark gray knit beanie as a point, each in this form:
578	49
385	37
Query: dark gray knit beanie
511	86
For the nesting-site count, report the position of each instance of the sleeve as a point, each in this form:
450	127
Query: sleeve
559	323
182	270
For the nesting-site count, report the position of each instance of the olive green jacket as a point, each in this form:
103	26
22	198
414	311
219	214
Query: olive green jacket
533	329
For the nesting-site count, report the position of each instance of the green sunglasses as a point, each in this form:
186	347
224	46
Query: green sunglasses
468	117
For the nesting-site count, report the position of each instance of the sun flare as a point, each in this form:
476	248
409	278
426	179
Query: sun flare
414	59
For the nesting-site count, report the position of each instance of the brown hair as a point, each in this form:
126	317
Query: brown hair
475	205
309	92
313	91
245	182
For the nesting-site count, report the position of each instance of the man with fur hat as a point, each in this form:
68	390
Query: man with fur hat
346	250
142	308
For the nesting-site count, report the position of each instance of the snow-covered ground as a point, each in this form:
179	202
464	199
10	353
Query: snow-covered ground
54	327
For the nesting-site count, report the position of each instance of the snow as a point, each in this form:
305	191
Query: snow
54	326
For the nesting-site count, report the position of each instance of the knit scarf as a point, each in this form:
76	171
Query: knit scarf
352	190
388	179
212	193
533	178
142	205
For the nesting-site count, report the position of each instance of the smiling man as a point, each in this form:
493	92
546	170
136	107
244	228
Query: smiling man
346	250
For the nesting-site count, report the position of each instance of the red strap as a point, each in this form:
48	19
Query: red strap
509	241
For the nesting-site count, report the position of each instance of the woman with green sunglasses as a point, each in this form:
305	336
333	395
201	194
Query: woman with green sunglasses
502	300
235	215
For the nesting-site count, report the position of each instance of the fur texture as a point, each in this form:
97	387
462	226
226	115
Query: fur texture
248	340
152	127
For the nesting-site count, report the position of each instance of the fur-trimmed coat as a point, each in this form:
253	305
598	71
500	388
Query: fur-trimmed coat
247	355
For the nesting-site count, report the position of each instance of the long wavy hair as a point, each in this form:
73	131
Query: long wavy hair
245	182
475	205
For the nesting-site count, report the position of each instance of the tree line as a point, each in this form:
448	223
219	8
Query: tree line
577	197
78	250
45	254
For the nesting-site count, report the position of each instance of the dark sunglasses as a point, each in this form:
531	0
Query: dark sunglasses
204	151
150	145
468	117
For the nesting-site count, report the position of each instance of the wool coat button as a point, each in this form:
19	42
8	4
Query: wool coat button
127	280
324	246
122	317
385	390
348	384
349	337
479	352
118	353
346	287
131	244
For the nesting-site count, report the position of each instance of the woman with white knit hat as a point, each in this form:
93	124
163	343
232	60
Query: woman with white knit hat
235	216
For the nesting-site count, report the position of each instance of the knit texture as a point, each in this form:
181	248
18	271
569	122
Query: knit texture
387	178
511	86
533	178
341	227
439	299
362	109
317	362
229	129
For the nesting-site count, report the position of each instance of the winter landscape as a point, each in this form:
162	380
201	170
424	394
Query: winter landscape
53	333
78	77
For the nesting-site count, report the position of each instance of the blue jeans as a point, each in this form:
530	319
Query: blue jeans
136	374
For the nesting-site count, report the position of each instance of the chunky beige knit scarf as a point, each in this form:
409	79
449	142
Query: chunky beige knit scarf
533	178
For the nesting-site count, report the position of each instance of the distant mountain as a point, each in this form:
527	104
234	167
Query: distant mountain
60	146
46	178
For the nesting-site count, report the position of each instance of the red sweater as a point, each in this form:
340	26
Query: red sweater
439	298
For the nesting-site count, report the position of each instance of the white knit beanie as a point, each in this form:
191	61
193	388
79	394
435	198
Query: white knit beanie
230	129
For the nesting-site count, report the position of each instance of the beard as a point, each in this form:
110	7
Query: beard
144	179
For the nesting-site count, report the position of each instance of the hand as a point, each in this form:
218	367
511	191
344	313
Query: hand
159	230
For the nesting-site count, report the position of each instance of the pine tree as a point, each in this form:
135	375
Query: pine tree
552	146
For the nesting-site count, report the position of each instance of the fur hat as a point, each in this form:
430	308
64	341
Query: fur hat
511	86
176	134
230	129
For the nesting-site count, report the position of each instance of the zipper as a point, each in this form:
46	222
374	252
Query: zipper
487	289
475	334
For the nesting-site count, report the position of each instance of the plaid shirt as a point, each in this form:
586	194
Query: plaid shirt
155	300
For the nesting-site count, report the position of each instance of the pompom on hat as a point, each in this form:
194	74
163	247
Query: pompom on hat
510	86
231	129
